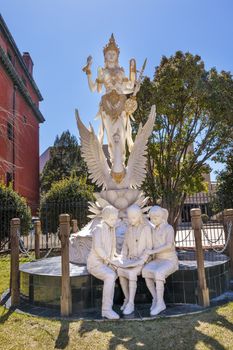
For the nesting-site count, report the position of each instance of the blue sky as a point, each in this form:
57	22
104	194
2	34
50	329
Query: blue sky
60	34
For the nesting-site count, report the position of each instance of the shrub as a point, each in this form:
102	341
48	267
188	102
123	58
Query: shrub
12	205
67	196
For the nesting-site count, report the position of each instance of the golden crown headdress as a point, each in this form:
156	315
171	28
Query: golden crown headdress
112	45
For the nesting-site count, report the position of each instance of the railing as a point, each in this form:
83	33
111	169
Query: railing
49	214
7	212
64	231
46	241
49	217
213	232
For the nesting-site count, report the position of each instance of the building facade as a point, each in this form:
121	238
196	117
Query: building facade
202	200
44	158
19	119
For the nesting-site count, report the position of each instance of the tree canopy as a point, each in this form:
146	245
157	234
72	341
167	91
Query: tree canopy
193	124
70	196
224	188
65	159
12	205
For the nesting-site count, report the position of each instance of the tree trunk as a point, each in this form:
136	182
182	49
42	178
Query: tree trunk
174	206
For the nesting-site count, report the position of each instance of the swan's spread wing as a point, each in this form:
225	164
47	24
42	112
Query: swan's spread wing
93	154
136	171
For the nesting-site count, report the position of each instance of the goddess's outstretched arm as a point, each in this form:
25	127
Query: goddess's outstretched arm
87	69
95	85
91	83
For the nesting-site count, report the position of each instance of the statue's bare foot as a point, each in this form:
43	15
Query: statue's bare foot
158	308
110	314
154	301
129	309
124	304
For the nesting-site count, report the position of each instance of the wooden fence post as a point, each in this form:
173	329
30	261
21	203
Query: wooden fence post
66	302
37	227
203	291
227	218
74	225
14	282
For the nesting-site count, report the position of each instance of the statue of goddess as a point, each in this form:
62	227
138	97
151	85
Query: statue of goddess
115	118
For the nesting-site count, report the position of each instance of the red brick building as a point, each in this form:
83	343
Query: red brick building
19	119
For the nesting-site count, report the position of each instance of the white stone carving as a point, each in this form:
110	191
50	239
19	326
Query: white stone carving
119	181
100	173
164	259
134	254
100	262
112	112
115	113
81	242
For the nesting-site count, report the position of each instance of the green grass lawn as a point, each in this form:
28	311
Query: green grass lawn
212	329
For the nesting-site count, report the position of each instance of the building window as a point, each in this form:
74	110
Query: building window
9	179
10	131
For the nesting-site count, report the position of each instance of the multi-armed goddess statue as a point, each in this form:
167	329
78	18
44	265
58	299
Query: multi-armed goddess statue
120	181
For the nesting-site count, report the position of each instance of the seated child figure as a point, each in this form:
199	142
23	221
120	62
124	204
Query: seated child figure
100	260
165	260
136	241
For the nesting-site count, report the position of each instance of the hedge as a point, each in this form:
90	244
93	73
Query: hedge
67	196
12	205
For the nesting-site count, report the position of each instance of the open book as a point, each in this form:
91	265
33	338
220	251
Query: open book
126	263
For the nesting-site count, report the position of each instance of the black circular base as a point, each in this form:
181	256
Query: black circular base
40	283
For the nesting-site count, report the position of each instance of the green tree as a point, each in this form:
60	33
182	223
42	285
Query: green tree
12	205
224	190
65	159
194	122
67	196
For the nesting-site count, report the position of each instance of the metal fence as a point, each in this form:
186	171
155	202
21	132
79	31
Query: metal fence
48	214
213	234
48	241
7	212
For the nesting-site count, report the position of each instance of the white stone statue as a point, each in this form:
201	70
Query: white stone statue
136	242
119	180
165	260
100	173
112	112
115	113
101	261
